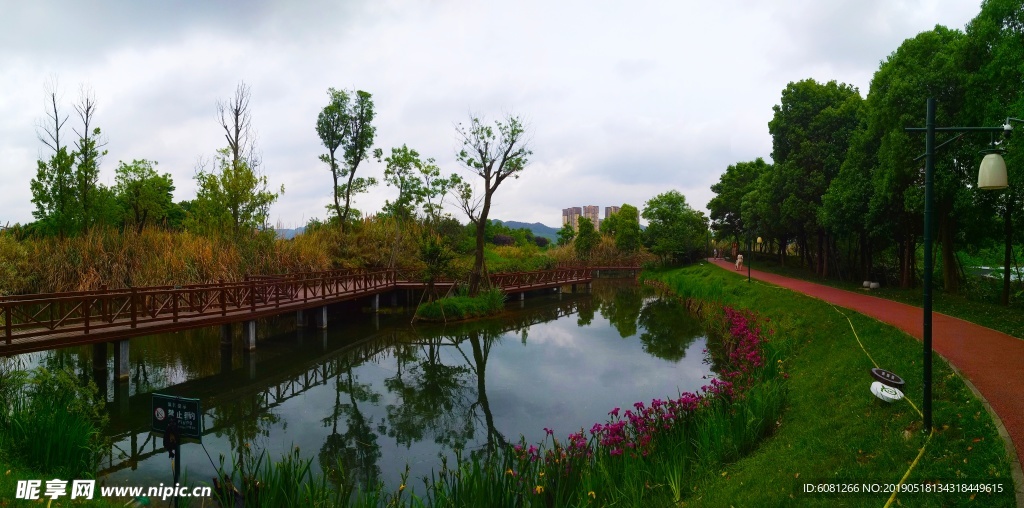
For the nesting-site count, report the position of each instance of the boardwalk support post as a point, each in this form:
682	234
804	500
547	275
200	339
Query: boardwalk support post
225	335
249	334
300	318
99	357
320	317
121	367
375	303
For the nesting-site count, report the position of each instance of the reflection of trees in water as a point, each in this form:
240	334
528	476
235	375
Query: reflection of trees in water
244	420
668	329
432	396
622	308
355	450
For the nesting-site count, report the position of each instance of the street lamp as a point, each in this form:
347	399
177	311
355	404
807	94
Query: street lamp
991	176
751	255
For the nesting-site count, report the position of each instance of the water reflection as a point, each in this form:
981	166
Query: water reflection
372	394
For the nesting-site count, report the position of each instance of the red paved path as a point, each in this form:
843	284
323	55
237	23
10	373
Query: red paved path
993	361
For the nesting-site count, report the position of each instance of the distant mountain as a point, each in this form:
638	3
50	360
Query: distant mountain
538	229
288	234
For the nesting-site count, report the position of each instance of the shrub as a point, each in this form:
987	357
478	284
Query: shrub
455	308
53	425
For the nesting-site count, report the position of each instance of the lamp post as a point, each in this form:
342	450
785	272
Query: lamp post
992	176
750	254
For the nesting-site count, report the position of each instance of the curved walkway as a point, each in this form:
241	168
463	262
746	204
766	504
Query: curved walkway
992	361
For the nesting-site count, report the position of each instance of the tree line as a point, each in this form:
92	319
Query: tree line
844	190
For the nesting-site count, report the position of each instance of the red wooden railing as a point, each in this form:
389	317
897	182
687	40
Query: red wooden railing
82	314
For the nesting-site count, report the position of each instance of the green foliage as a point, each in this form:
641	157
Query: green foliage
566	234
674	231
14	266
53	424
53	193
233	199
144	195
419	183
627	229
288	481
494	158
733	186
454	308
346	123
586	238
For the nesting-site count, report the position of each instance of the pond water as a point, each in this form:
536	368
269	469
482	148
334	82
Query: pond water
376	394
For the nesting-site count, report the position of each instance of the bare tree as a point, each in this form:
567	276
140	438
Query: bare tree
89	151
236	119
493	156
53	186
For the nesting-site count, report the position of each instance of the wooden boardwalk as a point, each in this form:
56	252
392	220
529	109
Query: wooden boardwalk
40	322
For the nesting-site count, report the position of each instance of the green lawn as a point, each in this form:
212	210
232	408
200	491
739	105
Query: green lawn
834	429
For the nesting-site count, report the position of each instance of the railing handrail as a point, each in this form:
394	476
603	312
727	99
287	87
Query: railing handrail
41	314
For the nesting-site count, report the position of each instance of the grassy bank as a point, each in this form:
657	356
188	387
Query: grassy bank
455	308
833	429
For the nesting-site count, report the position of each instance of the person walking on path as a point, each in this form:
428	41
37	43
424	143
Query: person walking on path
991	360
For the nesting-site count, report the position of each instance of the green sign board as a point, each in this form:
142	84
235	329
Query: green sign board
188	413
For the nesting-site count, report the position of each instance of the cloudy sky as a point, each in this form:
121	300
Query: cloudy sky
624	100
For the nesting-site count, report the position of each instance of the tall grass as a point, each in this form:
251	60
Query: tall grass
53	423
259	481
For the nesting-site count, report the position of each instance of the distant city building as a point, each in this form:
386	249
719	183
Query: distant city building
593	213
571	216
610	210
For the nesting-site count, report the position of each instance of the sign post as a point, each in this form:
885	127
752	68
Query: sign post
175	418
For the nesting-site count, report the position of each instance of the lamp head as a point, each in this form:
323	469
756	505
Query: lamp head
992	174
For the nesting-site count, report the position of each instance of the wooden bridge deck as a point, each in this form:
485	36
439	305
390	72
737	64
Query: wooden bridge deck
41	322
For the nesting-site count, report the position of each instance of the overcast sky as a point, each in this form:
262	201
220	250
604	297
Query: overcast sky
624	100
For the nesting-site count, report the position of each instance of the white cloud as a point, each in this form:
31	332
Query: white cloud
624	100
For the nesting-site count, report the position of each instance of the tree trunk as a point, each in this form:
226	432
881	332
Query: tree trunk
1007	252
950	275
476	277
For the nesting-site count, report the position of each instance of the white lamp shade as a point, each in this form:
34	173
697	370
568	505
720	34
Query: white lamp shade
759	240
992	175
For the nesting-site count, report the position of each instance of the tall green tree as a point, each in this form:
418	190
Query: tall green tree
87	171
628	237
733	186
346	123
586	238
144	195
993	52
230	199
494	154
811	132
927	65
566	234
675	231
53	188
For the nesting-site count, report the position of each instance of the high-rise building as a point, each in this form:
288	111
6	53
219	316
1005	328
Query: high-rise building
593	213
610	210
571	216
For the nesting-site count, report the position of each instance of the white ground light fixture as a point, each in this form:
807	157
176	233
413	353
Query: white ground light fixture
886	393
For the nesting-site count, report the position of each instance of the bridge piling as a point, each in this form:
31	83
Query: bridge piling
320	317
249	335
375	303
99	358
121	367
226	335
300	319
